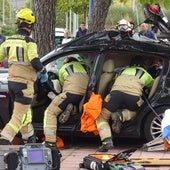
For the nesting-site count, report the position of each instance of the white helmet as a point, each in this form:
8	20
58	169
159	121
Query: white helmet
124	25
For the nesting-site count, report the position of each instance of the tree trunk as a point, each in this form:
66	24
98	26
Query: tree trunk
99	14
44	28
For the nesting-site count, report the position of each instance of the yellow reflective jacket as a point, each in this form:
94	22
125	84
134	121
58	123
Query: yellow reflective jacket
72	67
18	49
132	80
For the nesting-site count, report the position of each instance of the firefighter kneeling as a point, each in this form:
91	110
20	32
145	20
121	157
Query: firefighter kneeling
33	156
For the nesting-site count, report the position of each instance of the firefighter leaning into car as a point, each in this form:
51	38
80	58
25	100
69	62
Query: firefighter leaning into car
21	51
73	77
126	94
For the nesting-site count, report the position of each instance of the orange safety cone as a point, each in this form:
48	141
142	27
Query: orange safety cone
59	142
166	145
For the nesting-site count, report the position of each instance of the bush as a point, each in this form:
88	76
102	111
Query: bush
117	13
9	30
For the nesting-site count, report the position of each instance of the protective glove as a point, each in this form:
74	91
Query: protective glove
43	77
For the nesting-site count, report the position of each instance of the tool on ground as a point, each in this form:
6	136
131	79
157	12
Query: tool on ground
152	161
33	156
120	161
155	145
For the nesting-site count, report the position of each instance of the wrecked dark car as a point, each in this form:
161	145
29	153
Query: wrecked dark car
107	52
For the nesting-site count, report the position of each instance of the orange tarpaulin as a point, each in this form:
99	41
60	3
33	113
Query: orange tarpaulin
91	111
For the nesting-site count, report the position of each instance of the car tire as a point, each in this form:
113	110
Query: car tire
152	125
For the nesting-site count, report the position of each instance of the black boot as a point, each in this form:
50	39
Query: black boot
65	115
4	142
49	144
106	145
32	139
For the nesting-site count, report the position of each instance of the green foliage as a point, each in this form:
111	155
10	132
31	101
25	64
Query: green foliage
6	10
124	1
9	30
77	6
63	8
117	13
29	3
60	19
163	3
167	4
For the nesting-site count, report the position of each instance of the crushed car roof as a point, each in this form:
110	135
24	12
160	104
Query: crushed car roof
114	40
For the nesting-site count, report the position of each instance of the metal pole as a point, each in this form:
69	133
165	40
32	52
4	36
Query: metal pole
3	12
74	23
66	26
133	5
10	10
137	17
70	23
91	4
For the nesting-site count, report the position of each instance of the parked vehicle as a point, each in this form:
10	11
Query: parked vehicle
107	52
59	35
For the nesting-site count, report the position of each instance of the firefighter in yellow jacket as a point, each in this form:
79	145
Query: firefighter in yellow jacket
21	51
126	92
73	76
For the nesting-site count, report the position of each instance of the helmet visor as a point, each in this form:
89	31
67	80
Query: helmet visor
123	27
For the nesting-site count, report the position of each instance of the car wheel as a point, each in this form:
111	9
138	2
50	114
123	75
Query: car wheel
152	125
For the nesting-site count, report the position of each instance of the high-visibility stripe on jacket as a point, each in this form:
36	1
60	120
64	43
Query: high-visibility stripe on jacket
70	68
132	80
19	49
140	73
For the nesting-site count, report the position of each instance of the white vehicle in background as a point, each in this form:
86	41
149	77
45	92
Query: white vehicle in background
59	35
59	31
